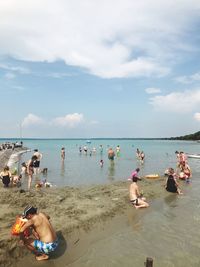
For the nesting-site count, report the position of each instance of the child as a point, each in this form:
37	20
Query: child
134	174
101	163
16	180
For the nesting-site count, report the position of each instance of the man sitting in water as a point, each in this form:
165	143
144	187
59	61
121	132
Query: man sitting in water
135	197
46	240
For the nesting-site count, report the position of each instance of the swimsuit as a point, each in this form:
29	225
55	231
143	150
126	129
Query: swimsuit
45	248
6	180
171	185
134	202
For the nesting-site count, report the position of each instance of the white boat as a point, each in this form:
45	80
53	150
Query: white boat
194	156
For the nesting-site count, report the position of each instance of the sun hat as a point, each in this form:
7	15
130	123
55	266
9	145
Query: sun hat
29	210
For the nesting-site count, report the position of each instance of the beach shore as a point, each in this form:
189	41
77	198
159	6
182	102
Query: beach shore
70	208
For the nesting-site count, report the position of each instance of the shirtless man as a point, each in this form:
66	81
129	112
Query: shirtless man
46	240
135	197
111	154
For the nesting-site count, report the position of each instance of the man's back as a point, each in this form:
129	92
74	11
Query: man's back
44	228
133	191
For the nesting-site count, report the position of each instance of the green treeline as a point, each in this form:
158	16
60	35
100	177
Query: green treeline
193	137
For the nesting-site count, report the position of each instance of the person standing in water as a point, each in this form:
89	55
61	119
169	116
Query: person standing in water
111	154
30	170
118	151
62	153
36	166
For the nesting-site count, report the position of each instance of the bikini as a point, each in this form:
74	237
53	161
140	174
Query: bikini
134	202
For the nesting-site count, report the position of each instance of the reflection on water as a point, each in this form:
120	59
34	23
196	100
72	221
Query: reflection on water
111	170
62	169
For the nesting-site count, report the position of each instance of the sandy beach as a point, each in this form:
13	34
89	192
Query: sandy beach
70	208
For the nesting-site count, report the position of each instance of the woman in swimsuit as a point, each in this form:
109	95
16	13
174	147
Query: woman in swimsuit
171	183
6	176
30	170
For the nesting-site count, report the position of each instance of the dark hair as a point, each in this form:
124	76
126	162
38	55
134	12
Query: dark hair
137	170
34	158
135	179
36	150
6	168
29	210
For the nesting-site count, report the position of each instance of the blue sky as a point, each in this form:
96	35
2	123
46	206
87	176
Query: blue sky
94	68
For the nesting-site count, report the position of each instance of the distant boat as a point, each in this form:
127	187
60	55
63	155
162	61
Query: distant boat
194	156
88	141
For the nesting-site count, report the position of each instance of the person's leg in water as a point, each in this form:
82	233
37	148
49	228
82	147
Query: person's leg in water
179	191
141	204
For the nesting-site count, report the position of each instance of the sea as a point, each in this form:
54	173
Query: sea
167	231
84	169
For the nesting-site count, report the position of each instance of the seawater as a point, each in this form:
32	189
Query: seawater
80	169
168	231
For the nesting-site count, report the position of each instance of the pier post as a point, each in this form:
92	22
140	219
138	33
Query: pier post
149	262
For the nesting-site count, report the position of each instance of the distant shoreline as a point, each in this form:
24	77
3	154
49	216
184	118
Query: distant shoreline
99	138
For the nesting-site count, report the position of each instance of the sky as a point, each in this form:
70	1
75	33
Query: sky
99	68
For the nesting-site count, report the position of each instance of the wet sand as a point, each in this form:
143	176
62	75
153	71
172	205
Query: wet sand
73	212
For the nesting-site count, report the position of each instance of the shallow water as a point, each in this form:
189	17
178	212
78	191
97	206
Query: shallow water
168	232
79	169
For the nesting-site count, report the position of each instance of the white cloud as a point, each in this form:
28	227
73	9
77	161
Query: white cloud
13	68
152	90
180	102
188	79
115	38
32	119
197	116
70	120
10	75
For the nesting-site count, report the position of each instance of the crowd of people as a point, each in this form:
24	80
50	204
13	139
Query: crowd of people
140	155
41	238
9	145
29	168
183	172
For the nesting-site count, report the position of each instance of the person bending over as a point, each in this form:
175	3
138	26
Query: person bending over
45	240
135	197
171	184
6	176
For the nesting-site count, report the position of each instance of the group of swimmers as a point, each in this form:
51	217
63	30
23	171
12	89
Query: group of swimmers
140	155
182	172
